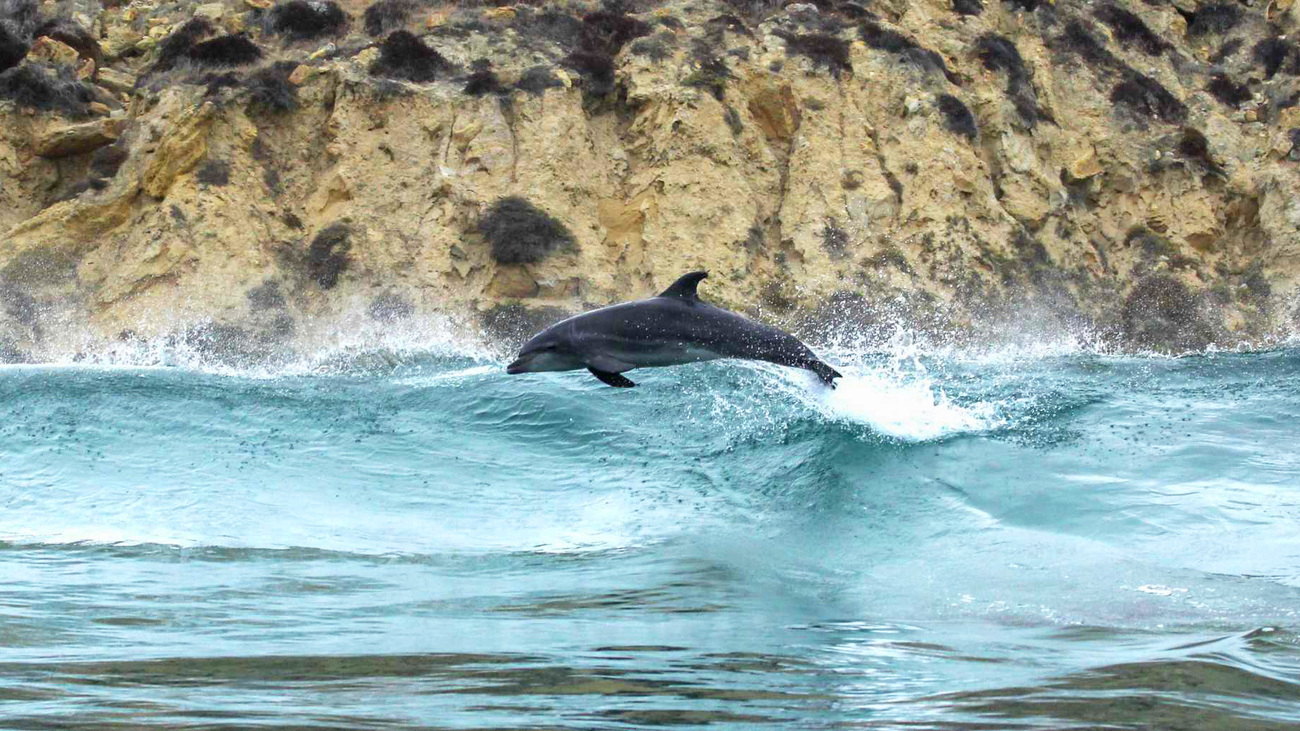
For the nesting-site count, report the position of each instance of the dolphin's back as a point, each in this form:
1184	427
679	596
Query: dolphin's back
666	331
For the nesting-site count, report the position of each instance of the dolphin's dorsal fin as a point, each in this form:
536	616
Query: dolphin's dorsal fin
684	288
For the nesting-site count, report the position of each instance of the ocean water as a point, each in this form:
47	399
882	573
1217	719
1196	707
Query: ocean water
409	538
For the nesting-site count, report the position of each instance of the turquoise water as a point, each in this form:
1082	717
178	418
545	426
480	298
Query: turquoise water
415	539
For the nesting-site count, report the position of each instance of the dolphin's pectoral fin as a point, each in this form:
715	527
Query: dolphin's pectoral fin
612	379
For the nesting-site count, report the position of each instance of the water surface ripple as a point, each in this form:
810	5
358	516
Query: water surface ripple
416	540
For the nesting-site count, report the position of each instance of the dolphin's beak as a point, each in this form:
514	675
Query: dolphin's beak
520	365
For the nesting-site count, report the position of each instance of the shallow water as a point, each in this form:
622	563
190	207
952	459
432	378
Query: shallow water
415	539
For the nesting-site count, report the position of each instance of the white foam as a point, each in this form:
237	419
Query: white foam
349	344
892	391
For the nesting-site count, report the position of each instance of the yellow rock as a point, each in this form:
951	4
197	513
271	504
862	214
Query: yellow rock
324	50
78	138
1086	165
210	11
52	51
180	149
502	14
300	74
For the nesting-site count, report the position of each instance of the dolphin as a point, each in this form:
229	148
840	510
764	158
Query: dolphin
674	328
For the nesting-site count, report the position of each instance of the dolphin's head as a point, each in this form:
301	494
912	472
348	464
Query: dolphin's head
547	351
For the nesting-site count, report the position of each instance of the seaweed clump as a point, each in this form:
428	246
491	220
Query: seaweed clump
300	20
520	233
404	56
956	116
327	256
820	48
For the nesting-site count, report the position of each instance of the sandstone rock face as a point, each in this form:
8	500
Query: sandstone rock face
1013	173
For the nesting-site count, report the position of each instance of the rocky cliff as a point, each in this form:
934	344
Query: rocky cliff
243	174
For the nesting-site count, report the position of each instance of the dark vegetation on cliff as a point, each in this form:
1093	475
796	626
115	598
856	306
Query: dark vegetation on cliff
834	239
327	257
1145	96
822	49
1136	92
214	172
1215	18
232	50
177	45
106	161
1194	147
967	7
710	73
999	54
1272	53
909	51
596	69
1161	313
387	15
46	88
12	49
1131	29
483	80
654	48
298	20
22	23
610	31
404	56
1226	90
956	116
269	88
521	233
537	80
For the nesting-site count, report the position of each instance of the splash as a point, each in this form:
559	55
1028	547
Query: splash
895	389
350	344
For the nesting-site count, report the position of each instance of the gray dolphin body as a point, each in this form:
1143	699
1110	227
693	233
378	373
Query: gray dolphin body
671	329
